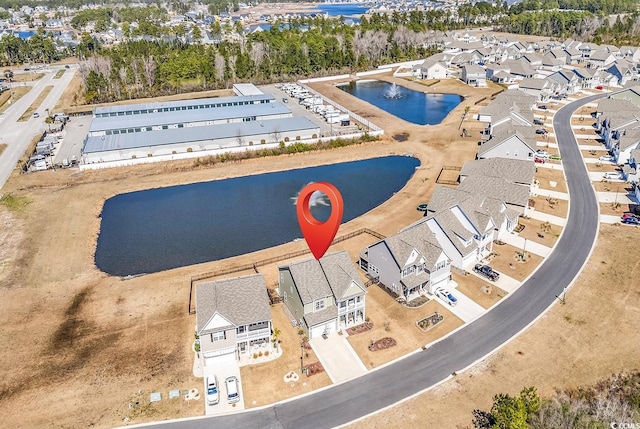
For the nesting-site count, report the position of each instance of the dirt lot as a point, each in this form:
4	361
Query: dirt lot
546	175
554	206
479	290
85	332
534	227
509	261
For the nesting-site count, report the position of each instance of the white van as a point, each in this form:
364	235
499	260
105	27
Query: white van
232	390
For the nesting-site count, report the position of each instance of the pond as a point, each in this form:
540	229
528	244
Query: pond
412	106
160	229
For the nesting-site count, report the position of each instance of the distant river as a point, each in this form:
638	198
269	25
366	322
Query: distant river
160	229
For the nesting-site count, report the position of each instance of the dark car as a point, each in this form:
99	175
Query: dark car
67	66
543	107
487	272
631	221
541	131
538	122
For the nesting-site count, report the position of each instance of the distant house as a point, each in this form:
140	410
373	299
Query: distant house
567	82
323	296
431	69
474	75
601	59
410	263
232	317
623	71
508	142
542	89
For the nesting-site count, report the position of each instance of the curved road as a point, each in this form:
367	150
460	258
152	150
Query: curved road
378	389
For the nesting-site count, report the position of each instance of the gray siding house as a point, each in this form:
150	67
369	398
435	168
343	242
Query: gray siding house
323	296
232	317
410	263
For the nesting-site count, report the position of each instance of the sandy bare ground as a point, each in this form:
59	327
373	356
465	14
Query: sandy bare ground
98	340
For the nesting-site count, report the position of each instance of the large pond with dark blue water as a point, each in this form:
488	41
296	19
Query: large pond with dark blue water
347	10
412	106
159	229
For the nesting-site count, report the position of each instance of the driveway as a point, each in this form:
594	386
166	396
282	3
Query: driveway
222	368
546	217
338	358
466	309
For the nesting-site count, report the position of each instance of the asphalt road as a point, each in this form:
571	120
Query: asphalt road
18	135
378	389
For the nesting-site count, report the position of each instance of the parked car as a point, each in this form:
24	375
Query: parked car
36	114
631	221
555	156
607	157
537	122
612	175
542	107
599	87
66	66
446	296
539	160
487	272
628	215
541	131
541	153
233	395
213	394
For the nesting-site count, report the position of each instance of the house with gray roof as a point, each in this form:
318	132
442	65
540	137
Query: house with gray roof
542	89
518	171
409	264
566	81
474	75
323	296
464	231
233	318
509	141
513	195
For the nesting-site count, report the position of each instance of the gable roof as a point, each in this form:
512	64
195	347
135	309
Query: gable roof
419	237
340	273
498	188
514	170
239	300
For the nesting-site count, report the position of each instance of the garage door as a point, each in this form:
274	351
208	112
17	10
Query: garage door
213	361
318	330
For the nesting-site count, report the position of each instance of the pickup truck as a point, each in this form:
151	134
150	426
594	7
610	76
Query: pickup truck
486	271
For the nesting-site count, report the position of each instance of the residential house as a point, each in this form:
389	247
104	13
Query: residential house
631	94
573	55
517	171
323	296
601	59
542	89
631	171
515	196
566	82
623	71
509	141
465	230
474	75
519	68
232	318
409	264
431	69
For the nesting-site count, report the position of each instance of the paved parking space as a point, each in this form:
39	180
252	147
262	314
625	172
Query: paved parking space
466	309
222	368
610	219
598	176
338	358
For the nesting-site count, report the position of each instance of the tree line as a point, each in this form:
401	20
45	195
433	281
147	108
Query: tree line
142	68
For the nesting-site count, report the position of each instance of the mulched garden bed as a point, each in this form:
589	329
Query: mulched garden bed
314	368
382	344
367	326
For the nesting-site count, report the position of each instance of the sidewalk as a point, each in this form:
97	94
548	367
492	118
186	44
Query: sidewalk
541	192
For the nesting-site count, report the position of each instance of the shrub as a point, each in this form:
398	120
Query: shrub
300	331
366	319
260	354
189	149
173	152
262	141
297	137
149	155
266	353
286	139
255	355
133	157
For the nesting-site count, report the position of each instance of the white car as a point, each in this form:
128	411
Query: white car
606	157
233	395
213	393
446	296
612	175
542	154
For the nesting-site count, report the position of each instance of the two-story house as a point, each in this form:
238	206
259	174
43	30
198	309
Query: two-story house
232	318
409	263
323	296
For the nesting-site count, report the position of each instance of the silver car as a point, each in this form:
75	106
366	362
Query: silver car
233	395
213	393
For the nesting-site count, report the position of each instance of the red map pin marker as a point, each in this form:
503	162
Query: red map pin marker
319	235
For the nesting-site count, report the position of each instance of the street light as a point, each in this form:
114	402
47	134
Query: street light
301	357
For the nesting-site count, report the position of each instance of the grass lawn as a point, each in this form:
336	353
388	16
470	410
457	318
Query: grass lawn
391	319
506	261
18	92
59	74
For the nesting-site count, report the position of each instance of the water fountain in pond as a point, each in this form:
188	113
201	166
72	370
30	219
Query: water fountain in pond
317	199
394	92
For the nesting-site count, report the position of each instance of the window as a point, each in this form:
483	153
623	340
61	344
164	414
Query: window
319	305
441	265
241	329
218	336
259	325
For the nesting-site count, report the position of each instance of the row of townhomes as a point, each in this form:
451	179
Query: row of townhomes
618	122
544	69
